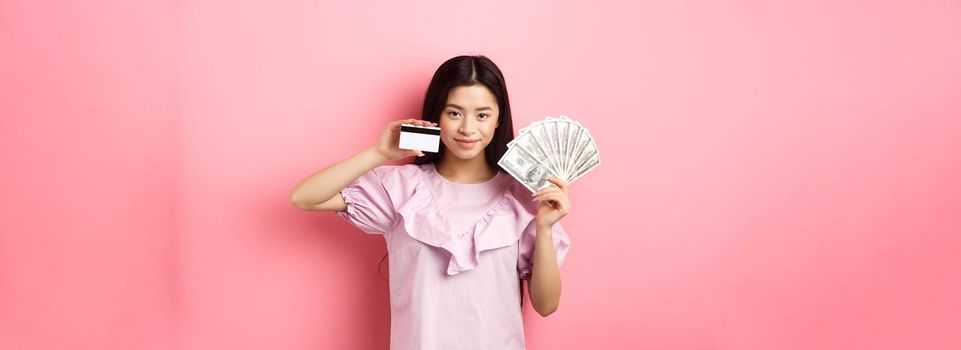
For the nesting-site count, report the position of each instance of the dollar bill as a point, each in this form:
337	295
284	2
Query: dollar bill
530	170
555	146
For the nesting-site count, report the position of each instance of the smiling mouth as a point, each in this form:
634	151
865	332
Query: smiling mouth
466	143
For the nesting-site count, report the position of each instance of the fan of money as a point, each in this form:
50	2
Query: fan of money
558	147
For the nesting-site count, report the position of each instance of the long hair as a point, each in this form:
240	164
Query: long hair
467	70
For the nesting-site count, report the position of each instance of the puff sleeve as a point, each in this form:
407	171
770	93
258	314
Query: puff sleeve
369	206
525	252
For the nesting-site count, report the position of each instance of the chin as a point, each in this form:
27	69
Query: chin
466	156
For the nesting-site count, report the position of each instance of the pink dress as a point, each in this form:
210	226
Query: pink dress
457	253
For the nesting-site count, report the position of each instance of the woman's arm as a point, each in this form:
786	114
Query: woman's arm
321	190
545	284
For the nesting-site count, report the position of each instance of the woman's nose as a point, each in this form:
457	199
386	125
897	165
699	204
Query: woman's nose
467	127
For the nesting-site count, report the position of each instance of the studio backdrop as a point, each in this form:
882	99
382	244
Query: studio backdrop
776	174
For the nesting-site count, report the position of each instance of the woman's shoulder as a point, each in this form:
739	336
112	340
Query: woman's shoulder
400	180
393	171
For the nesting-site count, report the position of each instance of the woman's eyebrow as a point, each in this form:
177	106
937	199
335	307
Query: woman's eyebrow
485	108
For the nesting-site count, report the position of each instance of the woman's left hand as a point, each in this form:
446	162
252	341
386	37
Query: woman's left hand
554	203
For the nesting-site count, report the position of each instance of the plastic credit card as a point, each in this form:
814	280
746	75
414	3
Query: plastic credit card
423	138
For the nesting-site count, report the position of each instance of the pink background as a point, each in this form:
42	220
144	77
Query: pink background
777	175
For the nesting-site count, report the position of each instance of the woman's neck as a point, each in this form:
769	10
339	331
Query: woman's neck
465	171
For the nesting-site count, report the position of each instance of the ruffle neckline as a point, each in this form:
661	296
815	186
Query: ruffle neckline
500	226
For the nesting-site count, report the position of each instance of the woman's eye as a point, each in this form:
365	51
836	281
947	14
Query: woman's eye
452	114
483	116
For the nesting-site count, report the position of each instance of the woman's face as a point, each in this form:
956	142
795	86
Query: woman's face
468	121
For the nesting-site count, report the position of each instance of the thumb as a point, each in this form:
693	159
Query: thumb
412	153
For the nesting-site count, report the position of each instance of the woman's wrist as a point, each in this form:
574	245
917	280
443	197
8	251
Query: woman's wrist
548	228
377	155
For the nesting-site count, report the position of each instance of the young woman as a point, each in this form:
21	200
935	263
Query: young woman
462	235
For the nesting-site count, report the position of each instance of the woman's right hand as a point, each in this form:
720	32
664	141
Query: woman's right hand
389	140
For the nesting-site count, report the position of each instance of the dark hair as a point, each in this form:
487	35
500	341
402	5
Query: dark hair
467	71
